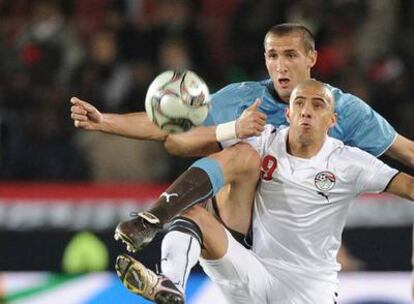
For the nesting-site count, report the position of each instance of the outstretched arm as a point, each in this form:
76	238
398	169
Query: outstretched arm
402	185
402	150
199	141
133	125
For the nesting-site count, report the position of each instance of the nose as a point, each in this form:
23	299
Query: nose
306	110
281	65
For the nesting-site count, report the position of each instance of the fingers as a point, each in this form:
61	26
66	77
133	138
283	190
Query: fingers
257	128
80	117
249	128
76	101
261	118
78	110
257	117
81	124
255	106
82	104
78	114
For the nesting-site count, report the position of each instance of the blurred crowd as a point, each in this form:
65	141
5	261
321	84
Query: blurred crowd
108	51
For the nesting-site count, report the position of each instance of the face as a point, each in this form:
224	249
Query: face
287	62
310	114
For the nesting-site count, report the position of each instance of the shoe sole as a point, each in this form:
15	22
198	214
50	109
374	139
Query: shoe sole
138	271
162	297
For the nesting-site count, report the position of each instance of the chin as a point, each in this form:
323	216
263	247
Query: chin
306	139
284	93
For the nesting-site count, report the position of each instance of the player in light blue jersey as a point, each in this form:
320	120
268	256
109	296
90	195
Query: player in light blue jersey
289	55
358	124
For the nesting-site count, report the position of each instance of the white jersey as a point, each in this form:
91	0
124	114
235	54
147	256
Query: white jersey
301	204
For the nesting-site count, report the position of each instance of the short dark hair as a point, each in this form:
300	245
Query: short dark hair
288	28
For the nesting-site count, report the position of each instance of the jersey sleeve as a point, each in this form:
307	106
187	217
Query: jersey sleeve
209	121
224	106
372	175
363	127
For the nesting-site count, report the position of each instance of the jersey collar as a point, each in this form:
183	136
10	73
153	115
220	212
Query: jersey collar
268	83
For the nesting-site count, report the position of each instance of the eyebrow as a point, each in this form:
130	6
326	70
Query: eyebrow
314	98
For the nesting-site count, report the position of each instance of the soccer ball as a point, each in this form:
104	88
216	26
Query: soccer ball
176	101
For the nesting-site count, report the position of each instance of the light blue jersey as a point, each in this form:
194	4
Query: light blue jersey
358	124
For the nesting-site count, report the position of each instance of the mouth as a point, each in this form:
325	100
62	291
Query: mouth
305	125
283	82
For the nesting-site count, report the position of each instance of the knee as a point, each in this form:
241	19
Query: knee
249	160
240	158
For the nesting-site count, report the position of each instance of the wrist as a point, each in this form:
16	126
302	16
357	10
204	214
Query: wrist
104	123
226	131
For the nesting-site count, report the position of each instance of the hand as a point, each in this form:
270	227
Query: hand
84	115
251	122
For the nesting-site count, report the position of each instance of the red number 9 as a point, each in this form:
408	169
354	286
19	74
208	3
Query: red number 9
269	165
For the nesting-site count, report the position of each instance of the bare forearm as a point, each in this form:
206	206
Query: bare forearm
402	150
403	186
199	141
133	125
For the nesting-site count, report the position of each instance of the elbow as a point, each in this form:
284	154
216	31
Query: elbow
172	147
177	147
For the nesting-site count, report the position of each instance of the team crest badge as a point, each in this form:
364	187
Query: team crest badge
325	180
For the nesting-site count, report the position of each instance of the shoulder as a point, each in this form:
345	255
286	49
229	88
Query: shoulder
354	156
357	119
346	101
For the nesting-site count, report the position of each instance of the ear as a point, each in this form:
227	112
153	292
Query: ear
312	58
287	114
265	60
333	120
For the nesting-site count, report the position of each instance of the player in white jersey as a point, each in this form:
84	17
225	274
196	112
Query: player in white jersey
289	56
308	182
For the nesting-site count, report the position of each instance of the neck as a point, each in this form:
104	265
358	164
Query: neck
285	99
303	150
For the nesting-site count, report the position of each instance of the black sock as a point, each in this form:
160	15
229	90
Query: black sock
192	187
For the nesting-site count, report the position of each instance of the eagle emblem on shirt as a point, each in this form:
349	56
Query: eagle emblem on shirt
325	180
